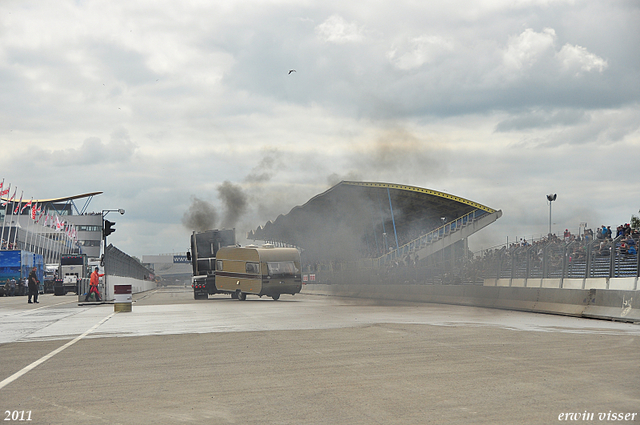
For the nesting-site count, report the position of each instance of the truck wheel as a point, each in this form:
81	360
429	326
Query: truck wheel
241	296
275	297
234	295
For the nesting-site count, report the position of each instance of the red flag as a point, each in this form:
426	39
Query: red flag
27	205
33	211
5	192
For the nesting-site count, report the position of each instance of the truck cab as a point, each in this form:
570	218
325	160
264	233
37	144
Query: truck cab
204	246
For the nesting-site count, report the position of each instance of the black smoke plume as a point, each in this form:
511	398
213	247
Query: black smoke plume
200	216
235	203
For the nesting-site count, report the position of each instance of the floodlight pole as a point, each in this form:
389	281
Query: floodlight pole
551	198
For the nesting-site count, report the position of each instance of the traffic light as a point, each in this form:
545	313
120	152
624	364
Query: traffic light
108	228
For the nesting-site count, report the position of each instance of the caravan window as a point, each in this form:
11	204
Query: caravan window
253	268
282	268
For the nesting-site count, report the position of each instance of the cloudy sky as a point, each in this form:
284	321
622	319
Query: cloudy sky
163	104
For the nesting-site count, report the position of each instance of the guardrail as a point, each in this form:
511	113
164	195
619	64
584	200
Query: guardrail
595	259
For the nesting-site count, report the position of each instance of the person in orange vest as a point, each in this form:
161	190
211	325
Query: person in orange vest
94	281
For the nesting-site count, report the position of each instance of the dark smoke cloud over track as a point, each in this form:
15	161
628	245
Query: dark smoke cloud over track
200	216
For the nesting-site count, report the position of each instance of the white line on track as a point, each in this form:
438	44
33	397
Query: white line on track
43	359
23	312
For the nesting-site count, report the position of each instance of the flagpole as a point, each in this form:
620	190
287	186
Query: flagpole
4	222
10	201
5	212
26	236
13	213
15	234
40	241
29	226
49	241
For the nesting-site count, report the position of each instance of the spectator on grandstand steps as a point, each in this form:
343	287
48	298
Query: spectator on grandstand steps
567	235
631	245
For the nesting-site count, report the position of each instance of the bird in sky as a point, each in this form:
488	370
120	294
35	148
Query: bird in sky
291	70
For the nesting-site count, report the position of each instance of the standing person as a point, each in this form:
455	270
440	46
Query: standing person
94	281
34	284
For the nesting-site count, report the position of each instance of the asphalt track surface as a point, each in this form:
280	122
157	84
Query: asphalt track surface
309	360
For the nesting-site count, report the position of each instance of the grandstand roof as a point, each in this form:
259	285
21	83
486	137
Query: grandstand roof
63	199
364	211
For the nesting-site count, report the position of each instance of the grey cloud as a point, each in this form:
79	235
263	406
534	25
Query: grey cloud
119	150
124	65
93	151
542	119
360	79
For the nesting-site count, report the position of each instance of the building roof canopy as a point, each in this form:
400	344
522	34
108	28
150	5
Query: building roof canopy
363	211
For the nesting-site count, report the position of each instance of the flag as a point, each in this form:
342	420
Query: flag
33	211
40	214
46	221
5	192
27	205
19	203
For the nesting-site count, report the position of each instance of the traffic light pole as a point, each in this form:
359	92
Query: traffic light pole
107	229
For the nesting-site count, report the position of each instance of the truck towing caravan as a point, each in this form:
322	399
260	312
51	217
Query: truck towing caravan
253	270
204	246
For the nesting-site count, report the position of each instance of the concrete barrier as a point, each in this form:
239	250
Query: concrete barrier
593	303
595	283
551	283
623	283
489	282
503	282
534	283
572	283
519	283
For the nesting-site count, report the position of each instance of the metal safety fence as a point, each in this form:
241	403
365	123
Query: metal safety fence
117	263
601	258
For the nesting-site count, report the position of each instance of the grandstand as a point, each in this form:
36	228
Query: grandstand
378	224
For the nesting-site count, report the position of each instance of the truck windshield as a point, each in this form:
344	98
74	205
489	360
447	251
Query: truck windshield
282	268
71	261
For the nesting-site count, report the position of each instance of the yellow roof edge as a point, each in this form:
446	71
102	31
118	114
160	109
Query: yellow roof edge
65	198
422	190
